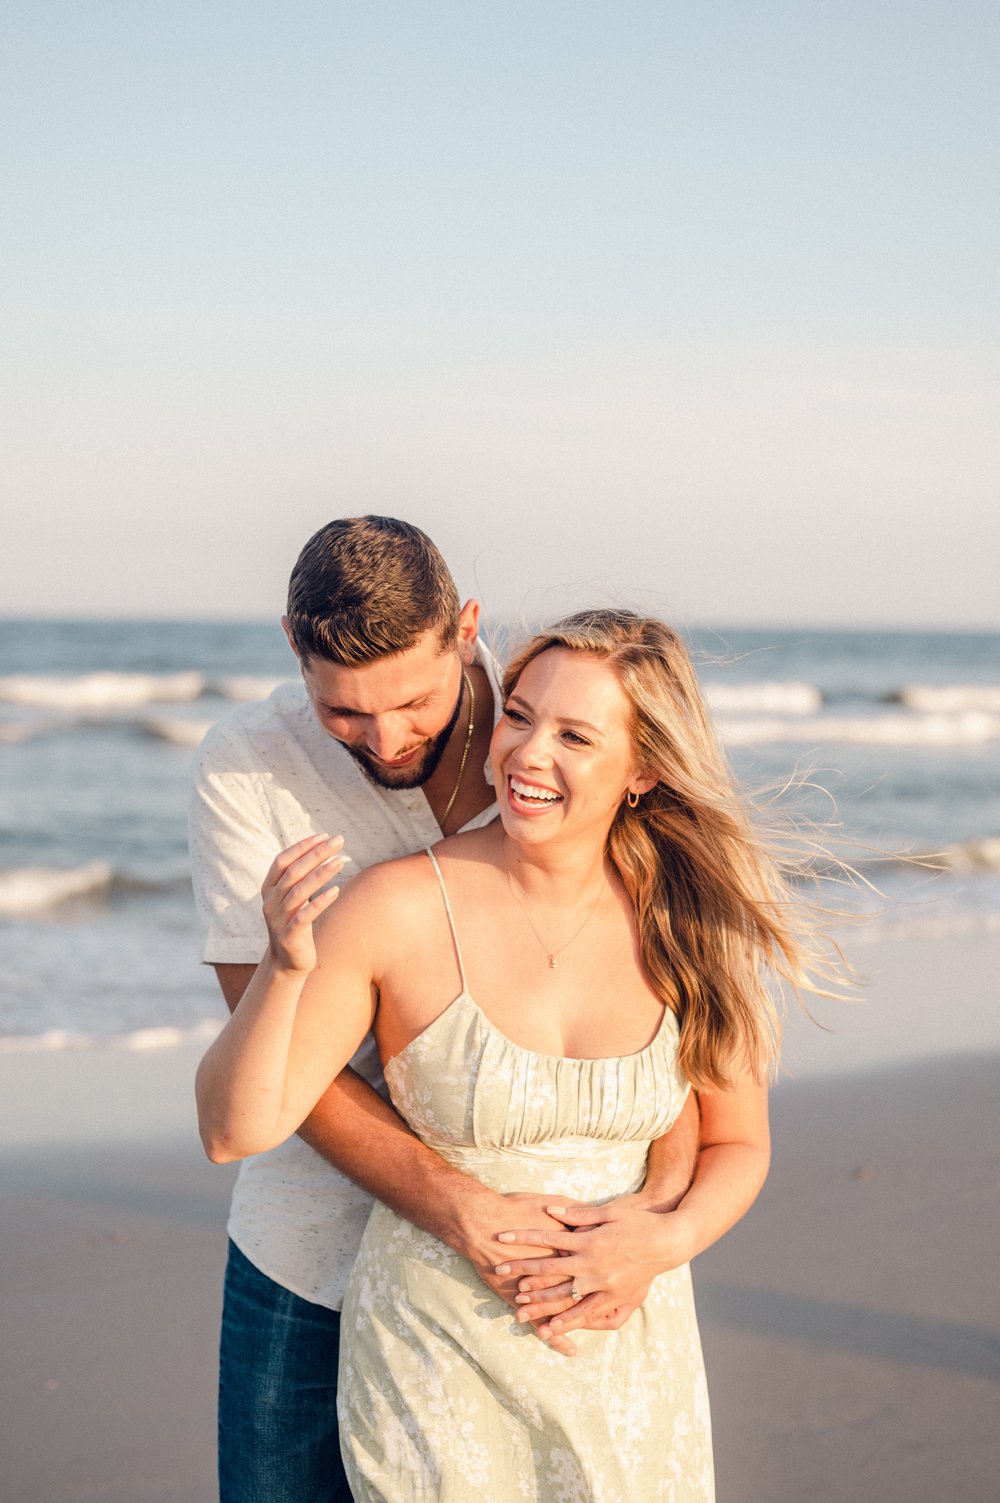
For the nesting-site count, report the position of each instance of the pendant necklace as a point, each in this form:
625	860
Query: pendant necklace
466	684
550	955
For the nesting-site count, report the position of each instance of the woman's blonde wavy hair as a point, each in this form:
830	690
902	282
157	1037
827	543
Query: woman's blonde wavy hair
713	893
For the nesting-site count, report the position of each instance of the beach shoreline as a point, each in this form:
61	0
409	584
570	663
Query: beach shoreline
850	1323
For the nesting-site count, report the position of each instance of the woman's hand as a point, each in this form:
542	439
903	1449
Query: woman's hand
531	1206
608	1254
293	900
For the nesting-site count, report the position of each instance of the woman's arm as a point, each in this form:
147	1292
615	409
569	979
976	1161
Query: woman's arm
288	1037
612	1253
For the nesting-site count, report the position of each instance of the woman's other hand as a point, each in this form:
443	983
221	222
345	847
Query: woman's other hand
294	894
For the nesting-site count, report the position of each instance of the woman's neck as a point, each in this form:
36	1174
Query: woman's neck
556	872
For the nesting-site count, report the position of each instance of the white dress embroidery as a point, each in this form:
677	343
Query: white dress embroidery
443	1398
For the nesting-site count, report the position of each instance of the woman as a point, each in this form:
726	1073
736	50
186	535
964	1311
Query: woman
542	993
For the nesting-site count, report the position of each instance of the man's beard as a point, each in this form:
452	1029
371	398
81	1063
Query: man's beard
419	773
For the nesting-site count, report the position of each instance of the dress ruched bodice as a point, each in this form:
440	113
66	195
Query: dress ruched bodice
478	1098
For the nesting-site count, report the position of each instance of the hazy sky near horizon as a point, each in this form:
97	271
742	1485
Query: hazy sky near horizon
694	304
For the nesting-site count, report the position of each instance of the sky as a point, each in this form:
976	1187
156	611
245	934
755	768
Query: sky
688	305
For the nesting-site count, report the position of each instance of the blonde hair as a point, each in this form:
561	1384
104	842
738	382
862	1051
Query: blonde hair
714	897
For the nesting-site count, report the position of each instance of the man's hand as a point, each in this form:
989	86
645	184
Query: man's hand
480	1251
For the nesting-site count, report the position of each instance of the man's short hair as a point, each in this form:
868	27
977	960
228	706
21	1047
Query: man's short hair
369	587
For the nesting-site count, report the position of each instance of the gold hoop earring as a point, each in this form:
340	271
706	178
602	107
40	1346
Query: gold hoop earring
632	799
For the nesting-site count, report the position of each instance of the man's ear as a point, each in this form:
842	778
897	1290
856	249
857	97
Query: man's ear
284	622
468	631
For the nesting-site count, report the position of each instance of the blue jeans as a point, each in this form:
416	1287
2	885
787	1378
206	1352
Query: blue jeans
278	1437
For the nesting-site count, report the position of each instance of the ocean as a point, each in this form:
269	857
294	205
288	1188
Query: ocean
895	735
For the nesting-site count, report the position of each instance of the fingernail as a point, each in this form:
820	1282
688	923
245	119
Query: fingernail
522	1317
544	1332
522	1299
556	1210
503	1268
507	1237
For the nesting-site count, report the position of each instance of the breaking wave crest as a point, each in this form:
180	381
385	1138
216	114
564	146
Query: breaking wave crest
41	889
766	698
903	728
950	699
97	692
35	891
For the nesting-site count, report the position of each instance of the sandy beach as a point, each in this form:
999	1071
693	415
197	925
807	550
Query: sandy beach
851	1323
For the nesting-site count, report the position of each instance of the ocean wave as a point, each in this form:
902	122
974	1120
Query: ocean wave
177	731
140	1040
34	890
904	729
100	691
15	732
767	697
945	924
243	687
109	691
968	857
950	699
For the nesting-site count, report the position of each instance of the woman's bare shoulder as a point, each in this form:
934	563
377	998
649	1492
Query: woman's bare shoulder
391	878
404	891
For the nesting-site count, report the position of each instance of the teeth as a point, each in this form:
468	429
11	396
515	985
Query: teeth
526	790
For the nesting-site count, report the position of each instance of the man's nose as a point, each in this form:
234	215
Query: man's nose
386	736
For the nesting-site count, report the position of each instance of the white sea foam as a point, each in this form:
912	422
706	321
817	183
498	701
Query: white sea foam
144	1040
969	856
900	729
28	890
764	698
951	699
140	1041
100	691
177	731
947	923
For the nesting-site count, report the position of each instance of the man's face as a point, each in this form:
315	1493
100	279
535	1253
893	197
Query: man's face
394	715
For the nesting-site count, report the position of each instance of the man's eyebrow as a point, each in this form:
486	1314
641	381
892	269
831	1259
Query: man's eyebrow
563	719
345	710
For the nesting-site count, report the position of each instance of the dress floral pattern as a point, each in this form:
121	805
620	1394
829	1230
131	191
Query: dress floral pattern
443	1397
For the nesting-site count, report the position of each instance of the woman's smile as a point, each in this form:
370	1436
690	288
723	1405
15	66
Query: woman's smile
530	798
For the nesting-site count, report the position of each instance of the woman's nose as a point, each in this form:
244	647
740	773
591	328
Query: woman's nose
536	749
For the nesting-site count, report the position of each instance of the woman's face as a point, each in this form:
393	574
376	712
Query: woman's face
562	752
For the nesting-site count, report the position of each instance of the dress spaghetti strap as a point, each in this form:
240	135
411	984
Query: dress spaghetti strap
451	917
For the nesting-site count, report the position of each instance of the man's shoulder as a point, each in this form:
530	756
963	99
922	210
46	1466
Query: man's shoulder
238	737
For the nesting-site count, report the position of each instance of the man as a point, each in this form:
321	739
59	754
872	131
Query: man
385	743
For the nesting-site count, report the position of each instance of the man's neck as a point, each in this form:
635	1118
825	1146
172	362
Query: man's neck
473	793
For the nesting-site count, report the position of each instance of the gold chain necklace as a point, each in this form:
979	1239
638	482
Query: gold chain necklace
466	684
550	955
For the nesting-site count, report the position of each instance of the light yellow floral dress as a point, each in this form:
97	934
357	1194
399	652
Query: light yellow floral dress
443	1398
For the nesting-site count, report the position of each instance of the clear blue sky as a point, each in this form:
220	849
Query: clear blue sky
695	302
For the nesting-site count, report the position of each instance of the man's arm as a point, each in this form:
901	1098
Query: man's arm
672	1160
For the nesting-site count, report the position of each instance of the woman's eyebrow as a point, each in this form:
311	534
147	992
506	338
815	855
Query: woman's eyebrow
563	719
